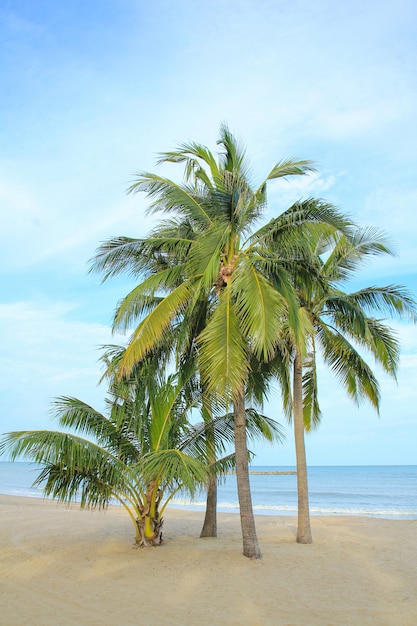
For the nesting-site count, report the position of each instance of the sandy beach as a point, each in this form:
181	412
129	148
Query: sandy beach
63	566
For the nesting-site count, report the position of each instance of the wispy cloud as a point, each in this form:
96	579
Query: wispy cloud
44	354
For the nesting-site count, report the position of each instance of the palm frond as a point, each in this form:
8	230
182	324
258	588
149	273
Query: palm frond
233	155
193	155
260	426
259	306
223	358
393	300
349	367
311	408
291	167
205	255
349	252
151	329
384	345
73	467
171	197
81	418
344	313
302	213
120	255
174	467
224	465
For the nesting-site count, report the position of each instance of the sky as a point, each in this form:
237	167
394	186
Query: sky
92	91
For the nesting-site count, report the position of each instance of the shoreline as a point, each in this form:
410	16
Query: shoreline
63	566
259	510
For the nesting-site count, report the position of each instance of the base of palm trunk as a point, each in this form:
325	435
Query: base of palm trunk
252	553
251	547
209	530
247	520
210	519
155	539
304	539
304	534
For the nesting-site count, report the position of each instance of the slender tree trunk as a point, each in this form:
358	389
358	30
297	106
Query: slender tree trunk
250	541
303	529
210	520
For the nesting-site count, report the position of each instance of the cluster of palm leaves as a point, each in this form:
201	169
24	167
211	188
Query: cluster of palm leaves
234	305
140	453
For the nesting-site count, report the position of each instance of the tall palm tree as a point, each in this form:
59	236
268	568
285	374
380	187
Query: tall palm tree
342	329
181	339
217	258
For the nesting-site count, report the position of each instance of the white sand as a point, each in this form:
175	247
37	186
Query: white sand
63	567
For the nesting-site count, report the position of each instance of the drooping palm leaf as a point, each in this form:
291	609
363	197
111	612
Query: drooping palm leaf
311	408
222	349
349	367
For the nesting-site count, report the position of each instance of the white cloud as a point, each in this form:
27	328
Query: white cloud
45	353
283	193
38	225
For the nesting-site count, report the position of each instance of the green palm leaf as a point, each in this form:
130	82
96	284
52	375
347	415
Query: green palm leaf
349	252
151	329
258	306
193	155
223	350
175	467
73	466
394	300
171	197
349	367
311	408
290	167
84	419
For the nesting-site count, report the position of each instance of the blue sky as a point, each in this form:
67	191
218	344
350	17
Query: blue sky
91	91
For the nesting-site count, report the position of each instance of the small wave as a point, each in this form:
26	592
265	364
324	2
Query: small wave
197	504
271	509
409	513
24	493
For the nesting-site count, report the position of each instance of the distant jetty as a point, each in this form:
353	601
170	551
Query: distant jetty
284	473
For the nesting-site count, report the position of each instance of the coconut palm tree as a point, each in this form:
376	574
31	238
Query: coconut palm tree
342	328
217	258
130	255
212	438
140	454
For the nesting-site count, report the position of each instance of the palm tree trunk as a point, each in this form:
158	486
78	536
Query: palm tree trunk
303	529
210	520
250	541
149	524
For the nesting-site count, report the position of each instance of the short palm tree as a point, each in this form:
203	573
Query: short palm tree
342	329
209	256
140	454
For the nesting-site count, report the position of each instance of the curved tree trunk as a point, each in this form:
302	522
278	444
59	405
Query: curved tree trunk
303	529
210	520
250	541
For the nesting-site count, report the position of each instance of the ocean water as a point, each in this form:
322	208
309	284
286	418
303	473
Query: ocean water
375	491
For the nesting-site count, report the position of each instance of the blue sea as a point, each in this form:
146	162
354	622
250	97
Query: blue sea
376	491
